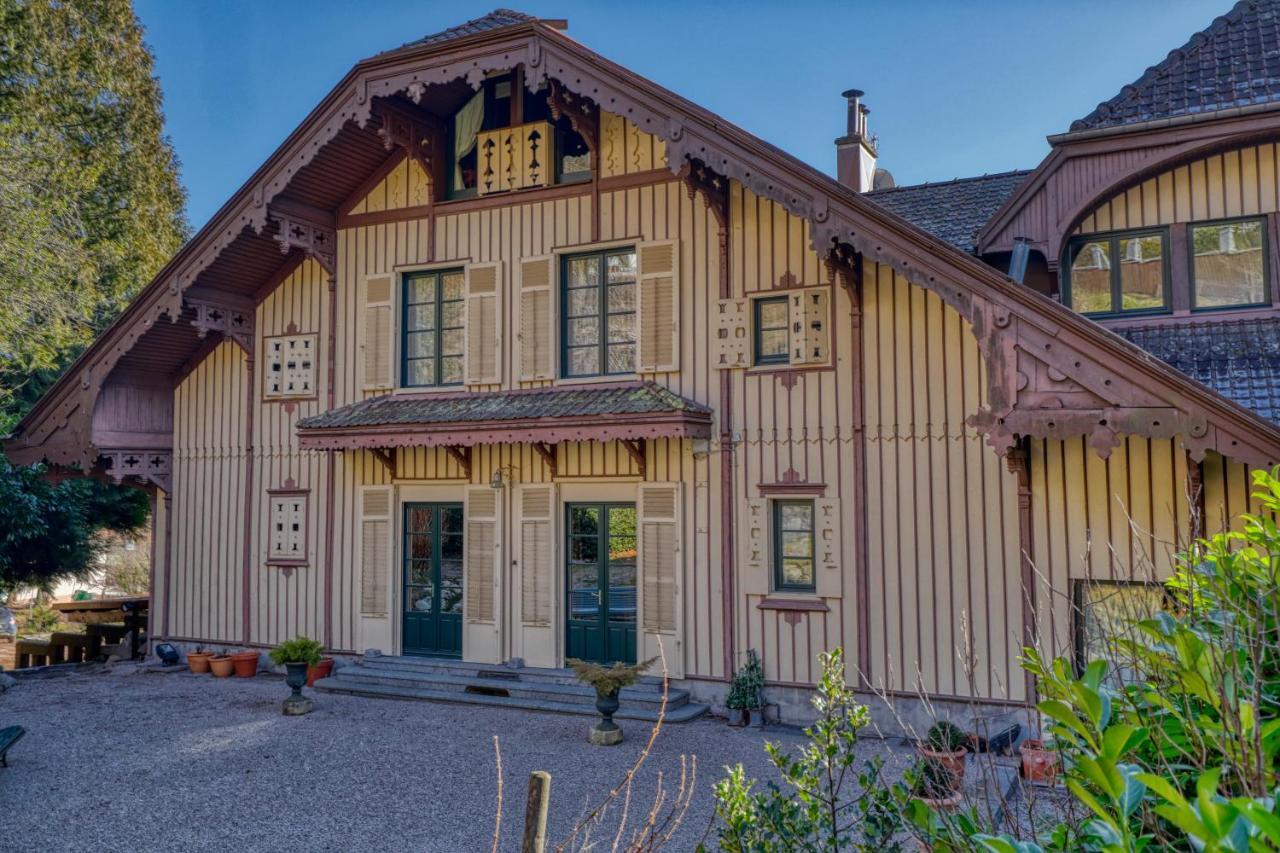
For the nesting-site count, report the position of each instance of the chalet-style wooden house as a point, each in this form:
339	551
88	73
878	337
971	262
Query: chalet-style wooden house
508	353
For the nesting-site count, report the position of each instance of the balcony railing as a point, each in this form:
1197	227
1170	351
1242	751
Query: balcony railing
515	158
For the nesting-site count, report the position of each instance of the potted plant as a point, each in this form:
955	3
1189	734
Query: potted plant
934	784
198	661
1039	761
297	656
220	666
322	668
946	746
607	682
746	692
245	663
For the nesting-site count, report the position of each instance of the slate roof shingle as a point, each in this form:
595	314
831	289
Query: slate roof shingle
495	20
1240	359
632	398
1234	62
953	211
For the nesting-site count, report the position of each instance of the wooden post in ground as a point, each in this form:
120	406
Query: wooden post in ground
535	812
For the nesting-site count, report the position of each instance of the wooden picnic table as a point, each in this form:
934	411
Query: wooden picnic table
131	610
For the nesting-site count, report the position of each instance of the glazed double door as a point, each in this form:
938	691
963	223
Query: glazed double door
433	588
601	582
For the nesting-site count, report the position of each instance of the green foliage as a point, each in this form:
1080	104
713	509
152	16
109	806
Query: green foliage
49	530
945	736
608	680
300	649
815	807
746	691
90	204
932	780
41	619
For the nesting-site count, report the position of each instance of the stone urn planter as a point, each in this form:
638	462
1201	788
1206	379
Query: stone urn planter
198	662
300	657
245	663
607	682
221	666
321	669
1039	763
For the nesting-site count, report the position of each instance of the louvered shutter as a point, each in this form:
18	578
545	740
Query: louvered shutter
377	342
537	319
810	333
660	558
828	559
755	574
537	553
483	324
375	550
732	345
481	547
658	314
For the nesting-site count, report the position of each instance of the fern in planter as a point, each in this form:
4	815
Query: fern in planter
298	650
608	680
746	691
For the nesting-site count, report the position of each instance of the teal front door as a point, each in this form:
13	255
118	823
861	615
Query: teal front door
432	579
601	587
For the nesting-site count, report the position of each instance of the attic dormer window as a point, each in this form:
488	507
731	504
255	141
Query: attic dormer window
1125	273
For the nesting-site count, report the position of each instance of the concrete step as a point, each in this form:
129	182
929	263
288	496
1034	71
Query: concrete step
540	689
488	670
421	690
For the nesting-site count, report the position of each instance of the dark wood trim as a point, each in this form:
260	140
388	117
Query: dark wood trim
246	608
370	183
331	466
635	449
793	604
1195	497
461	455
387	457
1019	463
211	343
277	278
384	217
814	489
548	454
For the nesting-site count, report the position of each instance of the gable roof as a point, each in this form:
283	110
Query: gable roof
953	211
1234	62
1038	353
495	20
1240	359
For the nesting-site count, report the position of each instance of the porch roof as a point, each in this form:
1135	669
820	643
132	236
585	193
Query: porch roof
627	410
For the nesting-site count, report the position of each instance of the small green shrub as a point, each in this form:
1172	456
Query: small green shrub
746	691
608	680
42	619
944	736
298	650
930	780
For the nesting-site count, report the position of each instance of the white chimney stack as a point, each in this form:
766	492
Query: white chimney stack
856	150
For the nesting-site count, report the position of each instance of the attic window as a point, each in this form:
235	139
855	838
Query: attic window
1229	264
1122	273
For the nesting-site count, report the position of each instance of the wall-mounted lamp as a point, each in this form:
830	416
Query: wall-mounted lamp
701	448
495	482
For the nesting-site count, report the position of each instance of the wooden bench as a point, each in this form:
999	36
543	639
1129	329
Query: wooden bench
30	652
8	737
72	646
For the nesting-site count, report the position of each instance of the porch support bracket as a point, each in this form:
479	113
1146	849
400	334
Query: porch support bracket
461	455
387	457
635	447
548	454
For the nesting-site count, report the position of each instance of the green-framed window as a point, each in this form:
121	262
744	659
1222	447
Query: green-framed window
1229	263
771	322
598	313
1106	611
1119	273
433	314
793	545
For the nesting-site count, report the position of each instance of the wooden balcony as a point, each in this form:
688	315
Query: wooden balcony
515	158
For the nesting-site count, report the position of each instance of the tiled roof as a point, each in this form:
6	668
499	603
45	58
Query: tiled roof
1239	359
1235	62
576	401
953	211
495	20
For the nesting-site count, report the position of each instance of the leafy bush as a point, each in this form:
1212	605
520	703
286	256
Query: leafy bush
608	680
41	619
746	691
298	650
944	736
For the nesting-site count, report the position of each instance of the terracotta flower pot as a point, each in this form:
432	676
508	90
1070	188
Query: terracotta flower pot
221	665
953	762
320	670
198	662
943	804
1038	764
246	664
737	717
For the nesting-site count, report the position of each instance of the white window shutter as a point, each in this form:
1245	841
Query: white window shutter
660	558
759	562
481	549
810	326
375	550
537	553
658	314
484	324
732	345
377	340
537	318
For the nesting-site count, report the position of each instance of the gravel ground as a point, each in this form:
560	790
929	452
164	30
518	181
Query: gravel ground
124	759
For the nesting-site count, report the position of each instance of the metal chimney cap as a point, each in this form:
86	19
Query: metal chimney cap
852	93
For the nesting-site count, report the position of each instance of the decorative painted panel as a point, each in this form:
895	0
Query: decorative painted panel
290	367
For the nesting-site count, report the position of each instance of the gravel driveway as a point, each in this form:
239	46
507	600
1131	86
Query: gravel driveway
132	760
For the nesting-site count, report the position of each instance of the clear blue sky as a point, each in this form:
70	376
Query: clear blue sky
955	88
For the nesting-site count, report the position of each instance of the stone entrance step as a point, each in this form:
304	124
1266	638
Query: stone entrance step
551	690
